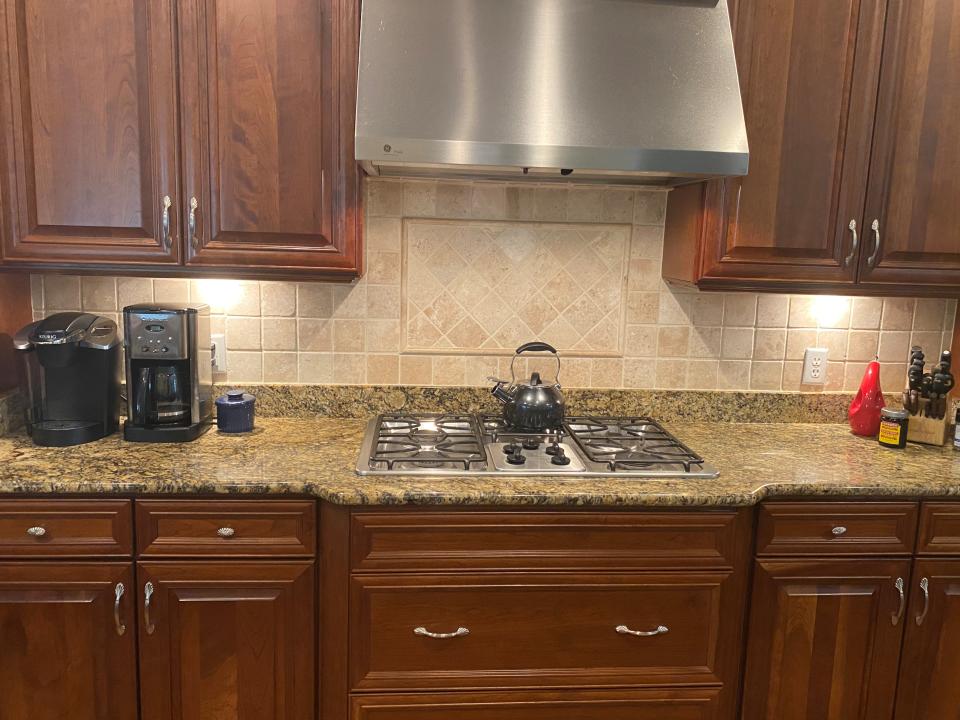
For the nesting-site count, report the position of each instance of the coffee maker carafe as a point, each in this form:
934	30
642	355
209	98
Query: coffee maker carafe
169	375
69	378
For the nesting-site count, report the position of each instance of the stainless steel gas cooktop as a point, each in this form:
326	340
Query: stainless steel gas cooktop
439	444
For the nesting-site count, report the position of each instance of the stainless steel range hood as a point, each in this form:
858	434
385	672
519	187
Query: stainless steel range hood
641	91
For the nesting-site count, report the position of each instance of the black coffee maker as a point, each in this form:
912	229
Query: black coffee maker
169	373
70	378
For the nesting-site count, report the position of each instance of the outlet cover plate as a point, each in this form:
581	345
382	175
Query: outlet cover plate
814	366
219	343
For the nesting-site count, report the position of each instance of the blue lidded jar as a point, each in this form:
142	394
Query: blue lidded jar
235	412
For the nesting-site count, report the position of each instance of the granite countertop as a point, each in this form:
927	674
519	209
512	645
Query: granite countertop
317	457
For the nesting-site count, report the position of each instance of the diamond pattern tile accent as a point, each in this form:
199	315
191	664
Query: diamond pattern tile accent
490	285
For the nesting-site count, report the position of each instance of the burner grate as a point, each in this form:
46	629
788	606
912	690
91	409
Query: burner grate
427	441
631	443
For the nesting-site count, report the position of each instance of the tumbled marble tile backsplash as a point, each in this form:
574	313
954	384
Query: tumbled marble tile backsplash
459	273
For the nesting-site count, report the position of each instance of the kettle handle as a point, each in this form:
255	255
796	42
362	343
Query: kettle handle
535	346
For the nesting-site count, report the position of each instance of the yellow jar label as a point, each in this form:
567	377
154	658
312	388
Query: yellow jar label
890	433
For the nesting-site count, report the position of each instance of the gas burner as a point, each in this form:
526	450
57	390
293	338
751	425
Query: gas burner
427	441
631	443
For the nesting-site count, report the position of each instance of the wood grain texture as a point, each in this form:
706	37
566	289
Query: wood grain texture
871	528
268	150
184	528
931	664
15	313
72	528
334	613
433	541
695	704
808	74
541	630
915	185
939	529
821	644
231	639
89	143
61	656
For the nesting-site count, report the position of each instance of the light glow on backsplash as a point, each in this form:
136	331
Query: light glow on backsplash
416	318
830	310
222	295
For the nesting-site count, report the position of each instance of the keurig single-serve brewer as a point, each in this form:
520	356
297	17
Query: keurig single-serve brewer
169	375
70	378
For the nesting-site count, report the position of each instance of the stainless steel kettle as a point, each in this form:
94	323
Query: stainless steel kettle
531	405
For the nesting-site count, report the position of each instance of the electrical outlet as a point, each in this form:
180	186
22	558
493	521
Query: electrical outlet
814	366
219	362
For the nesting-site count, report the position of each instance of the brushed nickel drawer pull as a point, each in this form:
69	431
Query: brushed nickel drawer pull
165	221
895	617
192	223
147	594
925	587
624	630
856	243
872	260
839	530
226	532
36	531
459	632
117	594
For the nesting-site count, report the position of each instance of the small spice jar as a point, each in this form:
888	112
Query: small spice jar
235	412
893	428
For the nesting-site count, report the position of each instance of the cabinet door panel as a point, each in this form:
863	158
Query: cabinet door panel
60	653
822	644
931	663
808	74
90	146
267	148
915	187
227	635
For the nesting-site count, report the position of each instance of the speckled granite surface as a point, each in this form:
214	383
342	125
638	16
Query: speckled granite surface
352	401
11	412
317	457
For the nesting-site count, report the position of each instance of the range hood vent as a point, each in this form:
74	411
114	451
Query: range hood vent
618	91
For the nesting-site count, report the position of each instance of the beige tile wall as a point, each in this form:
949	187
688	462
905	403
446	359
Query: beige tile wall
655	335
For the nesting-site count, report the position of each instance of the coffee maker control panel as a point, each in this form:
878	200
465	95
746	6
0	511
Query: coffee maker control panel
157	336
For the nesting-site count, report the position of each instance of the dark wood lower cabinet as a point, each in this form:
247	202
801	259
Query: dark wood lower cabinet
696	704
929	686
62	654
227	640
824	640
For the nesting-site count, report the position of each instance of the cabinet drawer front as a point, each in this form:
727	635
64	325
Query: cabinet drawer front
66	528
514	629
836	528
697	704
178	528
518	540
939	529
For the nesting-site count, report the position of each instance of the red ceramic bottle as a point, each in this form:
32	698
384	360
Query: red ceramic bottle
866	406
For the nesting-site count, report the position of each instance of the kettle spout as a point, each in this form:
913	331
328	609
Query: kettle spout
500	393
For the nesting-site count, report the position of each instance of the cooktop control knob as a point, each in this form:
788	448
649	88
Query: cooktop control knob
531	444
516	458
560	458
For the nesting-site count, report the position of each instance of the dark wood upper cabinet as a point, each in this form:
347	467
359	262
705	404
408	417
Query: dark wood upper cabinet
823	644
827	158
89	132
62	654
191	137
914	195
227	639
268	102
931	664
